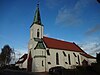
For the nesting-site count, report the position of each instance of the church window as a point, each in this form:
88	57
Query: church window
64	53
69	59
38	33
57	59
66	63
48	53
49	62
74	54
78	60
42	63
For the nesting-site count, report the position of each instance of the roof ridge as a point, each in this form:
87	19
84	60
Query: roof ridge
87	55
59	44
58	39
79	47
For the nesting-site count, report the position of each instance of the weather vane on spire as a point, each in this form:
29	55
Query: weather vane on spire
38	2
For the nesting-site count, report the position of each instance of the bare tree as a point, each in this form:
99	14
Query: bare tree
6	54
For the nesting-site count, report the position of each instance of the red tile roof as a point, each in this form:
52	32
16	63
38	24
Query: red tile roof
22	59
64	45
59	44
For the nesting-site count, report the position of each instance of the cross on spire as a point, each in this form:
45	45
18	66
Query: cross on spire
38	2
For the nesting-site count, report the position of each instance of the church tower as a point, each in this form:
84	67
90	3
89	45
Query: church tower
37	27
36	48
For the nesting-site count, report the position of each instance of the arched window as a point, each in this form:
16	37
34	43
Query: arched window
78	59
38	33
69	59
57	59
42	63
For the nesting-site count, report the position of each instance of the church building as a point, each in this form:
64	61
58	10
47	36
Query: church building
45	52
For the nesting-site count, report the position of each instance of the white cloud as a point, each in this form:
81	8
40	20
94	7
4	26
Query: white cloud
52	3
67	16
96	28
73	15
60	39
81	4
91	46
47	35
20	52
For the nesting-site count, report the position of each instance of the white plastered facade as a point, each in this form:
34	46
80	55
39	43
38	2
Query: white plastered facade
22	65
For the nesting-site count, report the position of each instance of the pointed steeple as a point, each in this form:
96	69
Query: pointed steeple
37	18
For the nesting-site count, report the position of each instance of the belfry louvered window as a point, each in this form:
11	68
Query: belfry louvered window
38	33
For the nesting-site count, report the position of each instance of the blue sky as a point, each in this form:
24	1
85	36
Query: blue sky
71	20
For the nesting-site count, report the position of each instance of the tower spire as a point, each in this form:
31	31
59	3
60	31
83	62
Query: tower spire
37	18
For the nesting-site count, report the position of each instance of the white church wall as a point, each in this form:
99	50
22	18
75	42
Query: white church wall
62	59
90	61
24	65
39	64
32	44
33	65
39	52
32	52
83	57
